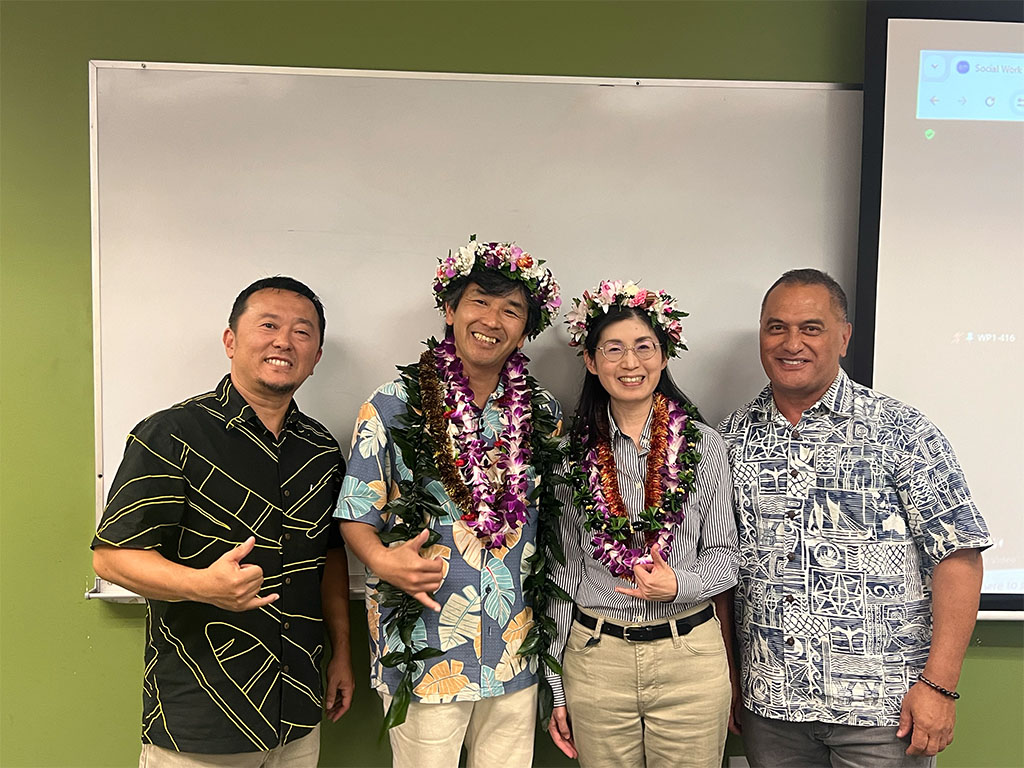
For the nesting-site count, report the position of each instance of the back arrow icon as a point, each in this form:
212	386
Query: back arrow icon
963	100
934	99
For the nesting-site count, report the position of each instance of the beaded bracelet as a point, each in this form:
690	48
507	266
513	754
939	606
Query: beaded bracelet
939	688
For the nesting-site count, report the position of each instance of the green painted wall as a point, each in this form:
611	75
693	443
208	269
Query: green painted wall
70	672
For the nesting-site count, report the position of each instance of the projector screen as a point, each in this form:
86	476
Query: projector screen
948	332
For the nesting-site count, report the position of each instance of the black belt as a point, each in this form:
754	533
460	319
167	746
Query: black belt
650	632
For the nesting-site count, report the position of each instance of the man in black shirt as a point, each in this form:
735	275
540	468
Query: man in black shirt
220	515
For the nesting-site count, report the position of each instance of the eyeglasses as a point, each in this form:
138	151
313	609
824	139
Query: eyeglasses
613	351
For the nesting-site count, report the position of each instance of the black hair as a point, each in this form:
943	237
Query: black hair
591	420
493	283
277	283
813	277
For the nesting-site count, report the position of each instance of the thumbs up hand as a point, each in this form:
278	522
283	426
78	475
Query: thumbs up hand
233	585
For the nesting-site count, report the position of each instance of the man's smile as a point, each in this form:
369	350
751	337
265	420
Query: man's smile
486	339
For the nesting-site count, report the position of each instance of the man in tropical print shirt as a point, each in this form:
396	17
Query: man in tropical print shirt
456	665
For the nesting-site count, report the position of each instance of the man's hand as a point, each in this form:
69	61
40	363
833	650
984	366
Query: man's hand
724	612
735	707
654	581
401	566
231	584
926	714
929	717
404	567
340	684
561	732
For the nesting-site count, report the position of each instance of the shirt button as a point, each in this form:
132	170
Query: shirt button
285	667
795	435
789	641
789	599
287	493
791	514
287	579
639	485
790	556
287	537
287	625
793	473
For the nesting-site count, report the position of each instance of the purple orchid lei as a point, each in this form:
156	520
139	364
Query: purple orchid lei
499	496
675	478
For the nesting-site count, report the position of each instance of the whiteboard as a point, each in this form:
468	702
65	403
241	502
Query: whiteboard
206	178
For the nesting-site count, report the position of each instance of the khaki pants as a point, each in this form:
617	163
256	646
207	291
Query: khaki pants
498	732
301	753
660	703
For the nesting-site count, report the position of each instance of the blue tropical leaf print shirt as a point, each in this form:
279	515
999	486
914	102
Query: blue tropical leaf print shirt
483	618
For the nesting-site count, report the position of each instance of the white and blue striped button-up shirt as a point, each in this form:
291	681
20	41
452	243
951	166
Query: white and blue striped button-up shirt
704	555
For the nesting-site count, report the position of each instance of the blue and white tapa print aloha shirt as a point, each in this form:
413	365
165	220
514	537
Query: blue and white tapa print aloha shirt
841	520
483	618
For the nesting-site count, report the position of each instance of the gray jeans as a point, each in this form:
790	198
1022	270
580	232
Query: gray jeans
782	744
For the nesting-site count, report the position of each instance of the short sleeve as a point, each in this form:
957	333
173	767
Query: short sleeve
933	491
147	498
364	491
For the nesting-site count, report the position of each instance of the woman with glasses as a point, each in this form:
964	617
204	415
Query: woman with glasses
650	550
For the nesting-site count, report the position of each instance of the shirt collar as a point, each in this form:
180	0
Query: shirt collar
236	409
645	436
838	399
498	392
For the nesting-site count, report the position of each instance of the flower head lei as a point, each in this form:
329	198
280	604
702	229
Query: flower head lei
512	262
659	306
